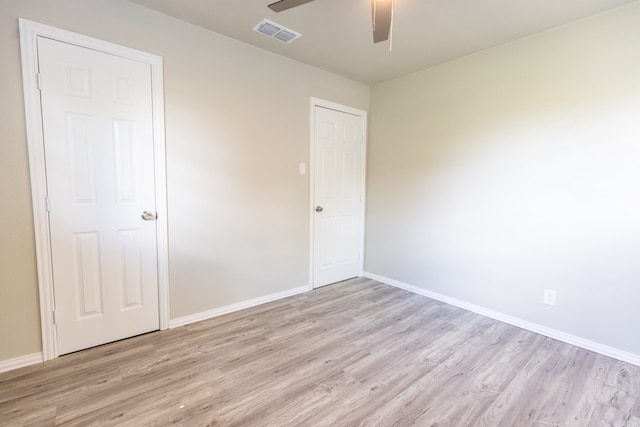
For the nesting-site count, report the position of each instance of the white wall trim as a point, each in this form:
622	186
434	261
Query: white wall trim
317	102
621	355
29	32
181	321
20	362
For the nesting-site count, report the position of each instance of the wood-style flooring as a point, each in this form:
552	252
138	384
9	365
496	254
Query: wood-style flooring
357	353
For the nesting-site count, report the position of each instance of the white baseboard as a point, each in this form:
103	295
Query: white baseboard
181	321
20	362
621	355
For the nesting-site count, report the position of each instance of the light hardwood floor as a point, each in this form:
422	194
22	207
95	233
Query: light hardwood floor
354	353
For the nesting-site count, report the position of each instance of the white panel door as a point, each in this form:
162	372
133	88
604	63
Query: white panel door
98	139
338	196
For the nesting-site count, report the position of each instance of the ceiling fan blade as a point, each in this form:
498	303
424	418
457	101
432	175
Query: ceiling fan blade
281	5
382	14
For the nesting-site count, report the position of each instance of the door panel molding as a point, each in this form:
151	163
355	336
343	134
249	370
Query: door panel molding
315	103
29	33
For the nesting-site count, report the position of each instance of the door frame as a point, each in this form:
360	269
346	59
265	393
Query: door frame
317	102
29	32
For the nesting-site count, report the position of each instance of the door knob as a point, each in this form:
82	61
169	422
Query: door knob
149	216
319	209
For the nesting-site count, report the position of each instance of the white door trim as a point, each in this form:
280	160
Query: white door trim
29	31
317	102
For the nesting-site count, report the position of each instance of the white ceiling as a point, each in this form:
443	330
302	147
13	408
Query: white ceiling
336	34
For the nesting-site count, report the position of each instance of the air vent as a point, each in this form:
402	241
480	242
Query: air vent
276	31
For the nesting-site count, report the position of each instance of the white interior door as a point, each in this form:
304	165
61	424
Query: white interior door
99	155
338	222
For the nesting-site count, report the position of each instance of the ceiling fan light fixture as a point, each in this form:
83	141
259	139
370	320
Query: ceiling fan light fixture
382	20
281	5
382	16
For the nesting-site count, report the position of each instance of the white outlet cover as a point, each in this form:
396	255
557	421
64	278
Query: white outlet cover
549	297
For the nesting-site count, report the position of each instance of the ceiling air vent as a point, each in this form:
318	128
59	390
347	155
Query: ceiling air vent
276	31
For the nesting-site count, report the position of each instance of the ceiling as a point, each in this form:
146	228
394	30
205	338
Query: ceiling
336	34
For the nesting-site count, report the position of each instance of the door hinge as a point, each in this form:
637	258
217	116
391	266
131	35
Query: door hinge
55	318
39	79
47	203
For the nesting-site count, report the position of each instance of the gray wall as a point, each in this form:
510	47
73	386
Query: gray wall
237	126
517	169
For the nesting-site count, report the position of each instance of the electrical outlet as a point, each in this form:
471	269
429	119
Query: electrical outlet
549	297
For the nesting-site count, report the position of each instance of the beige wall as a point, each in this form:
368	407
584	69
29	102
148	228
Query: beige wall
237	125
517	169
